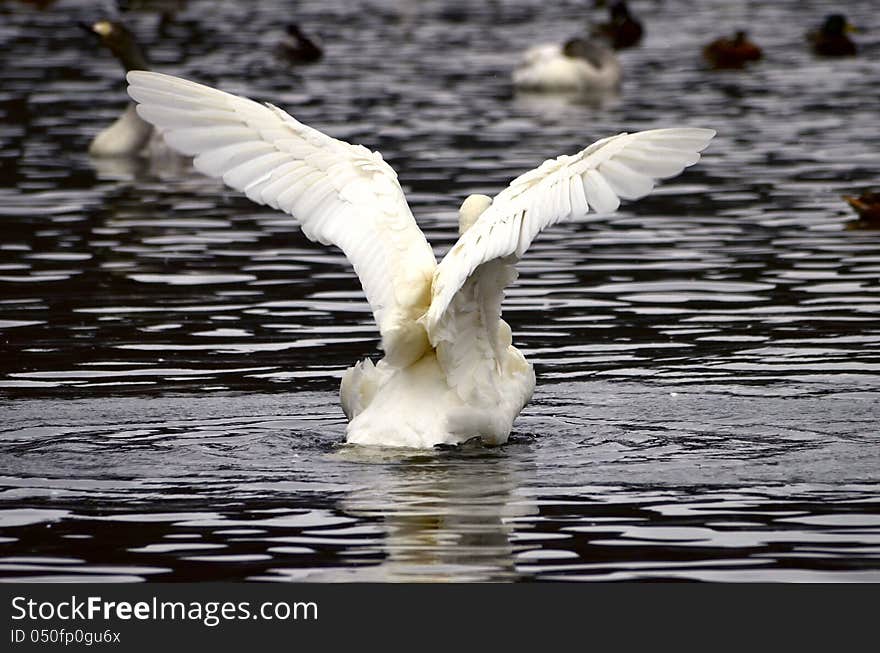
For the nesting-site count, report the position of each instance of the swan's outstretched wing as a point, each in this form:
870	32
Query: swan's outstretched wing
625	166
340	194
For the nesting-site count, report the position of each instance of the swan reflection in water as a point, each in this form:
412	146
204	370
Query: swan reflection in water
556	105
445	515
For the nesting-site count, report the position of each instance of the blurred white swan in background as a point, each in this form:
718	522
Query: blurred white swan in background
128	135
450	372
576	65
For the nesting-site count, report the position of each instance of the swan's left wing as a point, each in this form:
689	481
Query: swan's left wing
339	193
625	166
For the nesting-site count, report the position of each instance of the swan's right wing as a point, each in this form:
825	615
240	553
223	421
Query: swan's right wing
464	322
340	194
625	166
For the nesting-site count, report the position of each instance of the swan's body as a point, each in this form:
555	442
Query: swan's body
576	65
416	407
129	134
449	372
472	381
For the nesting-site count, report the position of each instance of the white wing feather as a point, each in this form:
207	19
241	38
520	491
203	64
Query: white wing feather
340	194
625	166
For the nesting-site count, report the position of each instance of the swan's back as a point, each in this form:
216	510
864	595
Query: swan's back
573	66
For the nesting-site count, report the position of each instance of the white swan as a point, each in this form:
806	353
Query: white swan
450	372
576	65
128	135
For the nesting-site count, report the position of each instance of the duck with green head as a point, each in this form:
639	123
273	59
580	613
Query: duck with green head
623	29
832	38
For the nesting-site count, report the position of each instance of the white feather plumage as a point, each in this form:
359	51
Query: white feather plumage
450	372
565	188
547	68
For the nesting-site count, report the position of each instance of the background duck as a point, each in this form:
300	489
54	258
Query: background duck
831	39
867	205
129	134
576	65
296	47
166	9
733	52
623	30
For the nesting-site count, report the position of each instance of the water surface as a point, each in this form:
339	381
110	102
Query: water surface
708	358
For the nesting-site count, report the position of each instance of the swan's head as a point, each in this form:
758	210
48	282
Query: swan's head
117	38
471	209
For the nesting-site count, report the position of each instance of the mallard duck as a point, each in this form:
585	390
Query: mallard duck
576	65
450	372
296	47
129	134
831	39
867	205
622	30
733	52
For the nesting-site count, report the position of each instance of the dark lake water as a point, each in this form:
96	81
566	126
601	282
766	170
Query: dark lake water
708	358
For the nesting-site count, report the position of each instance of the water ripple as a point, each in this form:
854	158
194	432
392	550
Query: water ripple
708	358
